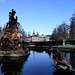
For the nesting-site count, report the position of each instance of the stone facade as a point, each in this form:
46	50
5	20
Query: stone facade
37	38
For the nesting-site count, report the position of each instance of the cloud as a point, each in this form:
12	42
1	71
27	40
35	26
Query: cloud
1	0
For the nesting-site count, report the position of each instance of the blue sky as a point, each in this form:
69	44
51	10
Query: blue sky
39	15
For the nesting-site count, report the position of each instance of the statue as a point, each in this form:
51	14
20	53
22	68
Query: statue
12	20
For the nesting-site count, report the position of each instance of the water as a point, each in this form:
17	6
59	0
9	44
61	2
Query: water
37	63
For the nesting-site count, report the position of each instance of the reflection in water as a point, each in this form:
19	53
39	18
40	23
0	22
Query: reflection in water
41	51
71	58
38	63
12	66
59	72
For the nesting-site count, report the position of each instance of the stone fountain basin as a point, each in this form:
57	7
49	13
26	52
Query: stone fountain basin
13	54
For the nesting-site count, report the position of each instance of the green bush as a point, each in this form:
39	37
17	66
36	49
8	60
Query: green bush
49	43
70	42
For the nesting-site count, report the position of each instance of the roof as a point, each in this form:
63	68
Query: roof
35	36
48	35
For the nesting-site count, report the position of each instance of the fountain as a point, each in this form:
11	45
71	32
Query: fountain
12	42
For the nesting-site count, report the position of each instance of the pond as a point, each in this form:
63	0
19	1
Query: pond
37	63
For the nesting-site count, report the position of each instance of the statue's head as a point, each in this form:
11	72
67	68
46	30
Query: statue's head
13	12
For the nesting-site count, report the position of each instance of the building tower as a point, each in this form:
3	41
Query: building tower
33	33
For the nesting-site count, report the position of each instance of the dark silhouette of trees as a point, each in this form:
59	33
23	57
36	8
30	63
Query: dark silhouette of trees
54	35
65	31
24	35
60	33
72	27
0	31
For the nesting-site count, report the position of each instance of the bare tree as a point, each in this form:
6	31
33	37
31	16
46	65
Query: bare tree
24	35
60	32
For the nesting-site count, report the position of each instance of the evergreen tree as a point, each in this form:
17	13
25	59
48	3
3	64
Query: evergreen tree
72	27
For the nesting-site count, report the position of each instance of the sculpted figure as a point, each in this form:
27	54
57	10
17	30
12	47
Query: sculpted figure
12	20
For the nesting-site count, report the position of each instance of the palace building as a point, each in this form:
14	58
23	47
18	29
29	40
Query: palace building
37	38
